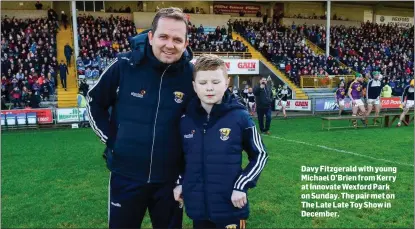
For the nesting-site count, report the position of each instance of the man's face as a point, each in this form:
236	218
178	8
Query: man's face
169	41
210	86
263	81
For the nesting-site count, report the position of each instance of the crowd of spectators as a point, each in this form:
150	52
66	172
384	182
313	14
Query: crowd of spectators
100	40
193	10
219	40
28	61
372	47
287	49
321	17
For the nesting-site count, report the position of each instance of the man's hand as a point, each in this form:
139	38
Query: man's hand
238	199
177	192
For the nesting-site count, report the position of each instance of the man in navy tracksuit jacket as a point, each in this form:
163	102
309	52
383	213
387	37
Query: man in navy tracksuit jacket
147	90
63	71
213	143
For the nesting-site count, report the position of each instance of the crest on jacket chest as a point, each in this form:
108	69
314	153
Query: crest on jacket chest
178	96
224	133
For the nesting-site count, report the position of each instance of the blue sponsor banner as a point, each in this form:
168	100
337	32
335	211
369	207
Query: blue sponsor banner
329	104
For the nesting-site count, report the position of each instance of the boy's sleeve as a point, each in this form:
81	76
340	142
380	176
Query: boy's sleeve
254	147
100	98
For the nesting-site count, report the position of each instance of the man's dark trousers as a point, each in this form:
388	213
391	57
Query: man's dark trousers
68	60
63	81
261	112
129	200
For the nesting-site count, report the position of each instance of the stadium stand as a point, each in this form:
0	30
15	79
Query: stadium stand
371	47
211	39
100	40
287	49
28	61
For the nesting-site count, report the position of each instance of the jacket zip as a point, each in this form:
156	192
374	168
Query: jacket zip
204	162
155	123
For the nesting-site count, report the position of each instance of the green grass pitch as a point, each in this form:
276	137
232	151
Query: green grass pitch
57	178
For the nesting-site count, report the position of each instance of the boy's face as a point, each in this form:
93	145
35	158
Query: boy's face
210	86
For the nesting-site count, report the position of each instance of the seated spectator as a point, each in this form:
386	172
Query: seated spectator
15	96
88	73
95	73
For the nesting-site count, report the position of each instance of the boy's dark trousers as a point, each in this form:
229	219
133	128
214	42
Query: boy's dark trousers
261	112
233	224
129	201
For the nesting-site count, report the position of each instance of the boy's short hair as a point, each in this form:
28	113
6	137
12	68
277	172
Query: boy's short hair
209	62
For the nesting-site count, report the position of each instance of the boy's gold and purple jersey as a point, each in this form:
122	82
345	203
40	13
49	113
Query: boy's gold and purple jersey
340	93
356	88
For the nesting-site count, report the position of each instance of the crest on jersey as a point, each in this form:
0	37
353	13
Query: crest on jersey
178	96
231	226
224	133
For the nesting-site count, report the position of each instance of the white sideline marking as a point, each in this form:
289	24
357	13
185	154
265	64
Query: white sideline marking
339	150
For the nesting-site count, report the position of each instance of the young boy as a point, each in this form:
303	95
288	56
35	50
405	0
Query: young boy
216	129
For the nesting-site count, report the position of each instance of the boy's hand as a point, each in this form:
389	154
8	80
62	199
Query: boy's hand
238	199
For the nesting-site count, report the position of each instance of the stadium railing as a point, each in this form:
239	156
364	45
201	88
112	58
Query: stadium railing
228	55
308	81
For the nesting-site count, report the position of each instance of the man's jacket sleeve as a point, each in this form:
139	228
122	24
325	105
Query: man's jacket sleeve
253	146
100	98
256	90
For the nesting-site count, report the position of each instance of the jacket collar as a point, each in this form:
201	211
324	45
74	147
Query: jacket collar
229	102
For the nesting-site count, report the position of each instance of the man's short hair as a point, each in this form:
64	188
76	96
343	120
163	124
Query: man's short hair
209	62
171	12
